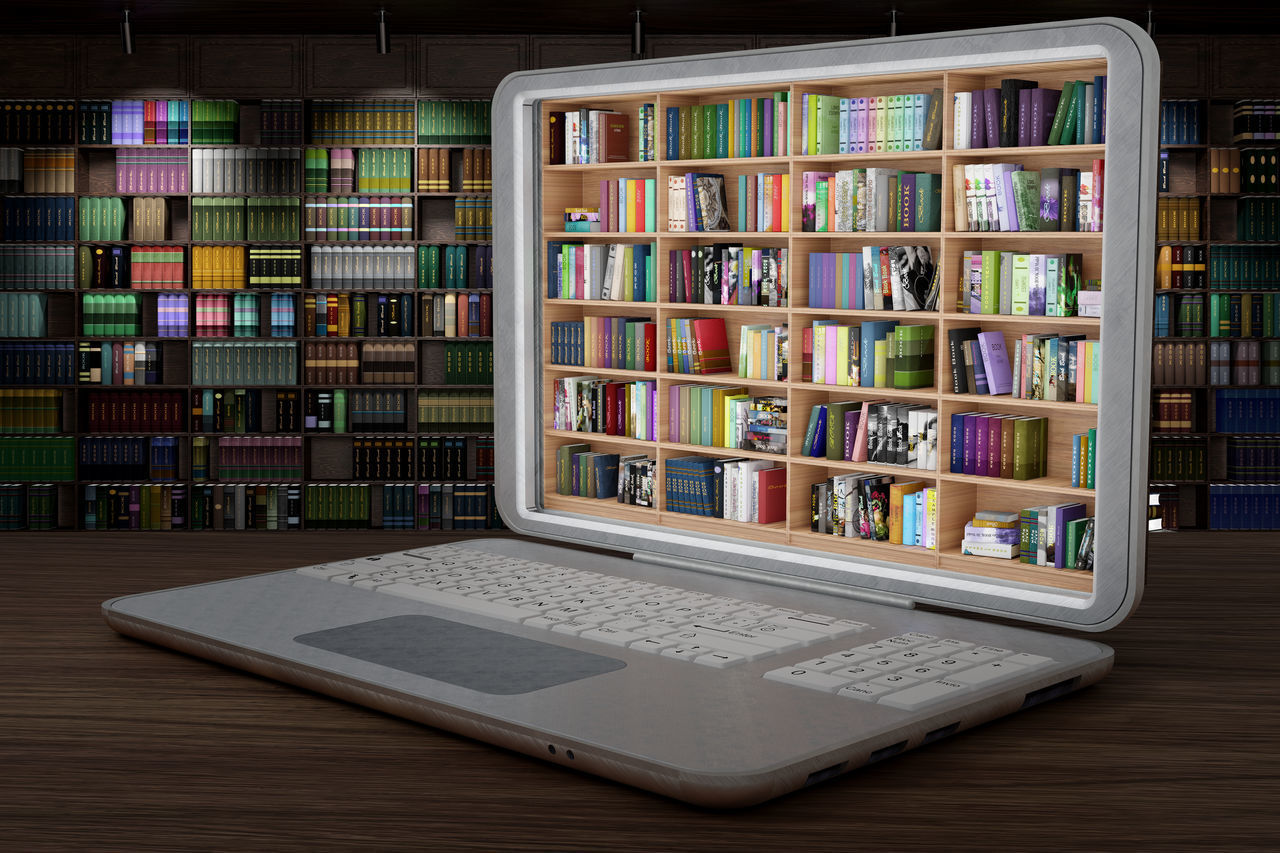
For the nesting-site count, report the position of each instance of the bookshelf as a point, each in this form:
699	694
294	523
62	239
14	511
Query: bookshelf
959	495
1216	359
291	343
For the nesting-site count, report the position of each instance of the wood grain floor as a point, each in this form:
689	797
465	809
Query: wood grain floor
107	743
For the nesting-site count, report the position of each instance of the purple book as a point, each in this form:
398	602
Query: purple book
991	116
768	127
1008	169
970	442
980	441
977	119
829	280
995	424
1062	514
1024	117
1044	103
995	361
979	369
850	432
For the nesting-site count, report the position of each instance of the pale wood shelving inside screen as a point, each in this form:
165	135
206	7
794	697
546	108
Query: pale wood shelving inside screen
959	495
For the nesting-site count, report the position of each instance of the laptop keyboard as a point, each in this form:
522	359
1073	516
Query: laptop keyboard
909	671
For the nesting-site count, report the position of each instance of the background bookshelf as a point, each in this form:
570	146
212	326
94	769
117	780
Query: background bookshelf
1216	365
654	491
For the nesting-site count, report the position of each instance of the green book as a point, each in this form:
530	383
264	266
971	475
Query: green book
990	281
928	202
696	118
835	427
709	130
912	356
826	124
722	130
1026	199
1066	104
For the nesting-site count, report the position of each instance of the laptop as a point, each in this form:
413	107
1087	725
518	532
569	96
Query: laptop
688	651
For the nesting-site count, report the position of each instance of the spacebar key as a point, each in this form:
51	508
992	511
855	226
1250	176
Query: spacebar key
457	602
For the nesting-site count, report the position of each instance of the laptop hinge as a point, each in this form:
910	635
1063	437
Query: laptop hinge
788	581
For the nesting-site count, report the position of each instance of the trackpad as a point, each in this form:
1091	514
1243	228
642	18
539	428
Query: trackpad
475	658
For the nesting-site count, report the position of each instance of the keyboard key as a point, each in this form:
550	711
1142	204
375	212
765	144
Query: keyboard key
1024	659
920	673
467	603
719	660
807	678
722	643
612	636
653	645
894	680
864	690
755	638
976	656
923	695
818	624
987	673
821	664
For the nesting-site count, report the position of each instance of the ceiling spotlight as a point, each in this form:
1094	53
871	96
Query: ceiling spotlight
637	36
384	39
893	23
126	34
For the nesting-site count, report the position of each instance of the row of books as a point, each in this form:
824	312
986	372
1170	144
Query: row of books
455	411
729	274
241	410
46	218
344	410
154	458
37	170
745	490
1172	411
1177	219
1224	172
357	218
725	416
836	125
244	362
454	122
136	506
42	122
591	404
1009	197
1181	122
1178	460
353	267
256	219
359	315
1244	507
37	363
878	278
435	458
104	218
473	218
878	431
630	205
696	201
134	411
366	170
161	171
237	267
172	320
28	410
37	267
28	507
131	121
37	459
876	507
764	203
242	170
247	457
1022	113
442	170
24	315
1258	170
870	199
1059	535
614	343
1244	315
1246	410
1182	363
873	354
1027	284
1254	119
219	122
451	267
1253	459
469	363
742	127
351	363
582	136
1187	267
1060	368
222	315
387	121
1180	315
132	267
119	362
330	170
612	272
111	314
1258	219
1244	362
986	444
1248	267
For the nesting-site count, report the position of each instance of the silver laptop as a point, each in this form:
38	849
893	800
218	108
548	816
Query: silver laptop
725	662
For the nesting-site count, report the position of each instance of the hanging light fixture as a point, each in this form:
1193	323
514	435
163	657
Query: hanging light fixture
637	36
126	34
384	38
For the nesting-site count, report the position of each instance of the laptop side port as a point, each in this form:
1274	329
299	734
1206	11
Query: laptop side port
939	734
825	773
1053	691
886	751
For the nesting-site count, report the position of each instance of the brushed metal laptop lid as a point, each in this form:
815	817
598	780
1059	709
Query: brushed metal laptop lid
1126	270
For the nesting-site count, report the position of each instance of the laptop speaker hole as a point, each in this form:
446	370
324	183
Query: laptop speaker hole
824	774
939	734
551	749
886	751
1053	691
568	753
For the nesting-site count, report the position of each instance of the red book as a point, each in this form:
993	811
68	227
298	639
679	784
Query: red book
148	122
710	345
117	364
776	221
611	407
650	346
615	138
486	314
994	436
640	204
771	492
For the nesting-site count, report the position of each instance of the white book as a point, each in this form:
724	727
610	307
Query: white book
963	120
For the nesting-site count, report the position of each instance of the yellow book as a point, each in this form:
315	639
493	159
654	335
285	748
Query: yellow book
842	355
786	202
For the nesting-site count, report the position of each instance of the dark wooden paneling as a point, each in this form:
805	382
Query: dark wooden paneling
816	38
1245	66
554	52
661	47
37	67
247	67
158	67
351	65
459	65
1184	66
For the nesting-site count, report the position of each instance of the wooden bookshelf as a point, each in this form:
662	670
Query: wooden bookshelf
959	496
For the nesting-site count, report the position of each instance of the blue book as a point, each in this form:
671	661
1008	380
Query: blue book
872	331
957	442
819	447
673	133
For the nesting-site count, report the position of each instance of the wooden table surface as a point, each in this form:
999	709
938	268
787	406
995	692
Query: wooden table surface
107	743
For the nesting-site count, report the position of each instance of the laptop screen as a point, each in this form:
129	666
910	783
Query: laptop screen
843	313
